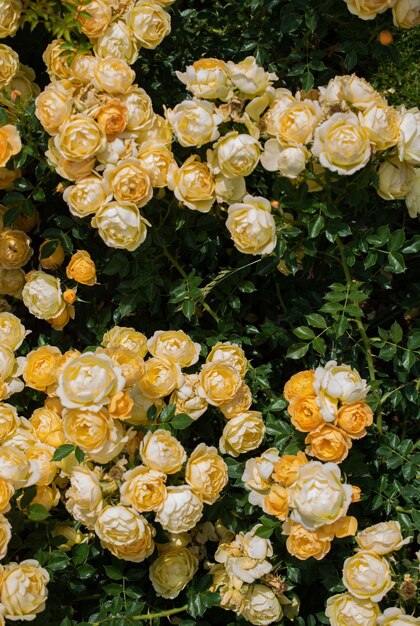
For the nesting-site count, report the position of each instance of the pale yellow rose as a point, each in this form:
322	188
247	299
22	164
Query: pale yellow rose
358	92
67	168
193	184
382	538
96	23
5	535
16	468
10	143
42	453
281	99
48	426
24	590
289	161
412	199
73	537
257	475
297	123
129	182
10	11
249	78
143	488
156	161
84	497
12	331
149	23
82	67
318	496
409	141
231	353
125	533
181	510
10	369
88	381
139	107
160	377
394	616
113	75
328	443
229	189
206	473
41	367
251	226
194	122
79	138
12	282
126	337
245	558
367	576
56	62
141	405
383	125
207	78
344	609
95	432
131	365
174	345
342	144
162	452
6	492
120	225
9	65
187	398
159	133
234	155
118	42
261	605
368	9
240	402
242	433
395	179
53	106
47	496
172	571
219	382
406	13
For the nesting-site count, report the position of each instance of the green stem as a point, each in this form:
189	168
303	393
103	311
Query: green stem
148	616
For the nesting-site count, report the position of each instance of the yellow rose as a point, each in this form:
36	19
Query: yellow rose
88	381
11	282
286	469
367	576
6	493
303	543
126	337
354	419
125	533
242	433
149	23
113	117
172	571
187	399
41	367
297	123
382	538
129	182
121	405
95	432
131	365
118	42
113	75
240	402
10	11
160	377
9	65
175	346
12	331
10	369
84	497
394	616
207	78
7	177
81	268
383	125
159	133
249	78
276	502
156	161
194	122
300	384
79	138
48	427
139	107
395	179
24	590
261	605
232	353
219	382
47	496
344	527
328	443
53	106
120	225
344	609
342	144
162	452
289	161
73	537
368	9
67	168
406	13
305	413
56	62
143	488
15	248
181	510
5	535
234	155
16	468
82	67
87	196
251	226
42	453
229	190
193	184
96	23
206	473
10	143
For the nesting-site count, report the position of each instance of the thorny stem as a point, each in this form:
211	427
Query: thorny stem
149	616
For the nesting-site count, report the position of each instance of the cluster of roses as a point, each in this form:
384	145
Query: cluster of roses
405	13
368	578
329	405
243	577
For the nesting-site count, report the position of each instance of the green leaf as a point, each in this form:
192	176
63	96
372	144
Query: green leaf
80	553
319	345
49	248
63	451
413	342
297	350
37	513
114	573
79	454
4	118
199	602
396	262
396	241
181	421
351	60
303	332
396	332
315	226
188	308
167	413
316	320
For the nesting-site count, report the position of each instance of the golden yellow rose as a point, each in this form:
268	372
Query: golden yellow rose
24	590
68	168
383	125
84	497
346	526
54	260
96	23
132	366
81	268
113	117
73	537
87	429
286	469
160	377
117	41
6	492
406	14
162	452
16	468
261	605
9	64
15	248
276	502
219	382
10	12
10	143
12	282
368	9
126	337
303	543
41	367
7	177
172	571
305	413
206	473
129	182
48	427
143	488
355	418
328	443
121	405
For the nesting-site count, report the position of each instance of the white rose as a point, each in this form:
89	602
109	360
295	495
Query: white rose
234	155
257	475
344	609
181	509
252	226
317	496
229	189
367	576
249	78
117	41
16	468
394	616
261	605
172	571
207	78
409	142
43	296
194	122
337	382
120	225
382	538
395	179
289	161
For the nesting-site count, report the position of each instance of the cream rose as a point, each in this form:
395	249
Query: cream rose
24	591
297	123
79	138
251	226
174	345
219	382
5	535
338	382
12	331
53	106
382	538
17	468
234	155
172	571
113	75
120	225
344	609
242	433
317	496
207	78
367	576
206	473
394	616
246	556
126	337
129	182
187	398
249	78
9	65
383	125
409	141
118	42
143	488
181	510
149	23
412	199
289	161
229	189
406	13
10	11
84	497
395	179
193	184
125	533
156	161
257	475
261	605
160	377
140	114
43	296
194	122
162	452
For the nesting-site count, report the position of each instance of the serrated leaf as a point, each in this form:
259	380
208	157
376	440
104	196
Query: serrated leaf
303	332
63	451
297	350
316	320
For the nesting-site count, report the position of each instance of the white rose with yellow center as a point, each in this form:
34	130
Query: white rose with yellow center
181	510
16	468
125	533
120	225
207	78
162	452
242	433
87	196
79	138
382	538
172	571
383	125
149	23
342	144
234	155
246	556
249	78
193	184
174	345
337	382
143	488
257	475
24	590
84	497
367	576
344	609
194	122
289	161
252	226
12	331
206	473
160	377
